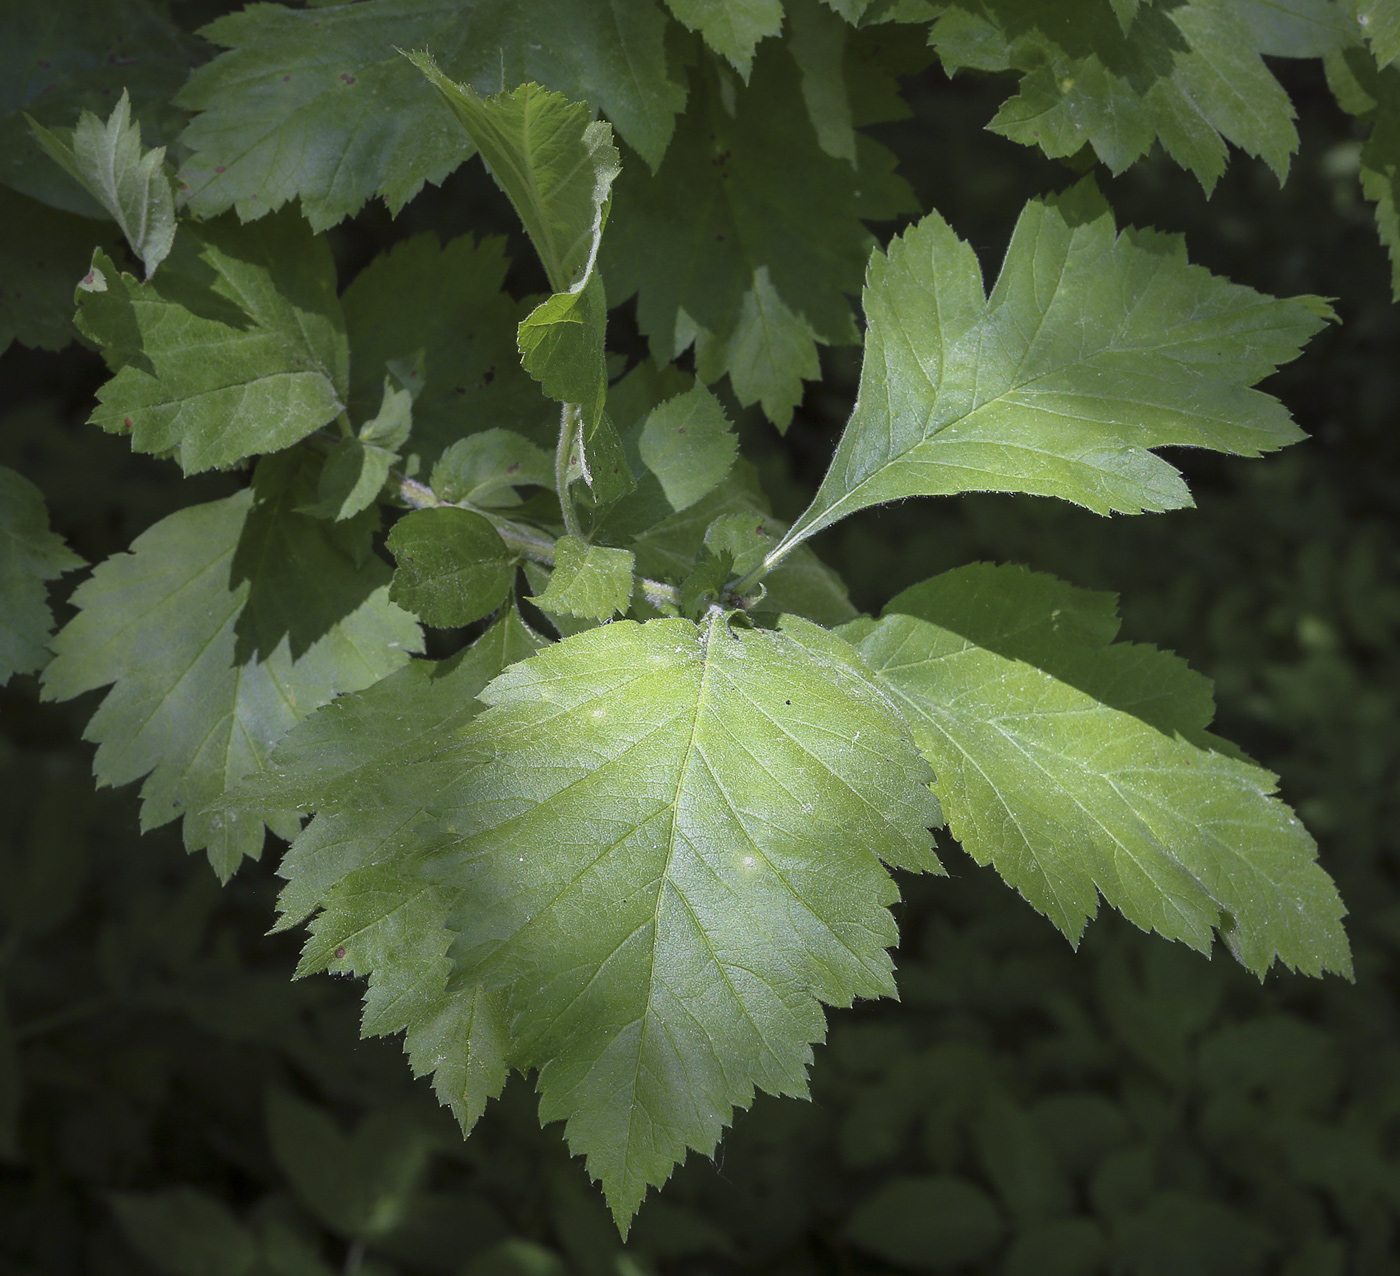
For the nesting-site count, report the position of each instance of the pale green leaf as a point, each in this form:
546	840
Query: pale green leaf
371	783
732	28
317	103
62	57
443	309
453	566
1188	75
1093	347
1379	21
749	237
126	179
592	581
689	445
485	469
237	347
30	554
1081	768
1298	28
225	625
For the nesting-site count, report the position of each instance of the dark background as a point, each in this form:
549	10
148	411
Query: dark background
171	1101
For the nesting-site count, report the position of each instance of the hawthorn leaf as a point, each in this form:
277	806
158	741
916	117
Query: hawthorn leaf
1373	94
1189	75
453	567
356	469
1299	28
125	178
318	104
1093	347
30	555
1379	21
485	469
225	625
557	168
237	347
591	581
817	38
748	240
732	28
1079	767
688	443
443	308
64	57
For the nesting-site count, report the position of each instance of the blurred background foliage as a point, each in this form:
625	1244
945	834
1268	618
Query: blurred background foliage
171	1102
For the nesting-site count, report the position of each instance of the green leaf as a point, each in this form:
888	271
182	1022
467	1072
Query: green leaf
1093	347
1190	76
660	850
1081	767
485	469
184	1232
64	57
356	469
237	347
369	763
30	554
928	1221
592	581
1373	93
688	444
127	180
225	625
1379	21
749	239
453	567
443	309
1299	28
317	103
42	252
732	28
817	38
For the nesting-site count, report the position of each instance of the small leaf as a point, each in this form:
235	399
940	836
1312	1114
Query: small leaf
30	554
237	347
930	1222
356	469
1093	347
689	445
732	28
453	567
588	580
184	1232
484	469
128	181
1080	767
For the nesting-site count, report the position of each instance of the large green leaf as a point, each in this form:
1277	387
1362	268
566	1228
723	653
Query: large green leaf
1093	347
1081	767
438	316
1189	75
225	625
128	180
749	239
657	854
318	103
30	554
237	347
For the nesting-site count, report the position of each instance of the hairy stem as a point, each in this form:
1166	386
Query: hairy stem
563	460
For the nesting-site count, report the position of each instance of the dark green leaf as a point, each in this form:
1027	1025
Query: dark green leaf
185	1232
453	567
687	442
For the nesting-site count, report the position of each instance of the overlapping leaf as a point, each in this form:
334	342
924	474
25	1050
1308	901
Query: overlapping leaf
435	316
1188	75
1081	767
125	178
657	854
225	626
1379	21
318	104
1093	347
30	555
749	237
732	28
237	347
453	567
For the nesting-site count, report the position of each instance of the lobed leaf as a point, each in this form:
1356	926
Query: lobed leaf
1093	347
225	625
732	28
237	348
592	581
110	163
30	555
317	103
1081	767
